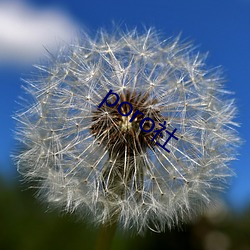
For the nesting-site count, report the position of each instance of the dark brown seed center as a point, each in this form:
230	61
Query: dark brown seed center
116	132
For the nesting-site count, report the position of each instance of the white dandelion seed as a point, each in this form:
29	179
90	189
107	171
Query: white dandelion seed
94	161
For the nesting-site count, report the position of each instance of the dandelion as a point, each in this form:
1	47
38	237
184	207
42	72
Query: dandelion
96	162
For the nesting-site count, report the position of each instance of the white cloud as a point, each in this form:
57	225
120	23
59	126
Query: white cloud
25	31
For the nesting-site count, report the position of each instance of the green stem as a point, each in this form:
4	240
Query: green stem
105	236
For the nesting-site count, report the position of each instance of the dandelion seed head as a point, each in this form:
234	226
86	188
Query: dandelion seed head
100	163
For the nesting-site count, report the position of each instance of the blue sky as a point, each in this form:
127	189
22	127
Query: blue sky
221	27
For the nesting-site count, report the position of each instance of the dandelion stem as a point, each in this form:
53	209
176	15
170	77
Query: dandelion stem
105	236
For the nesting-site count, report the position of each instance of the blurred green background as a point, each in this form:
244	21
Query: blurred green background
27	225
